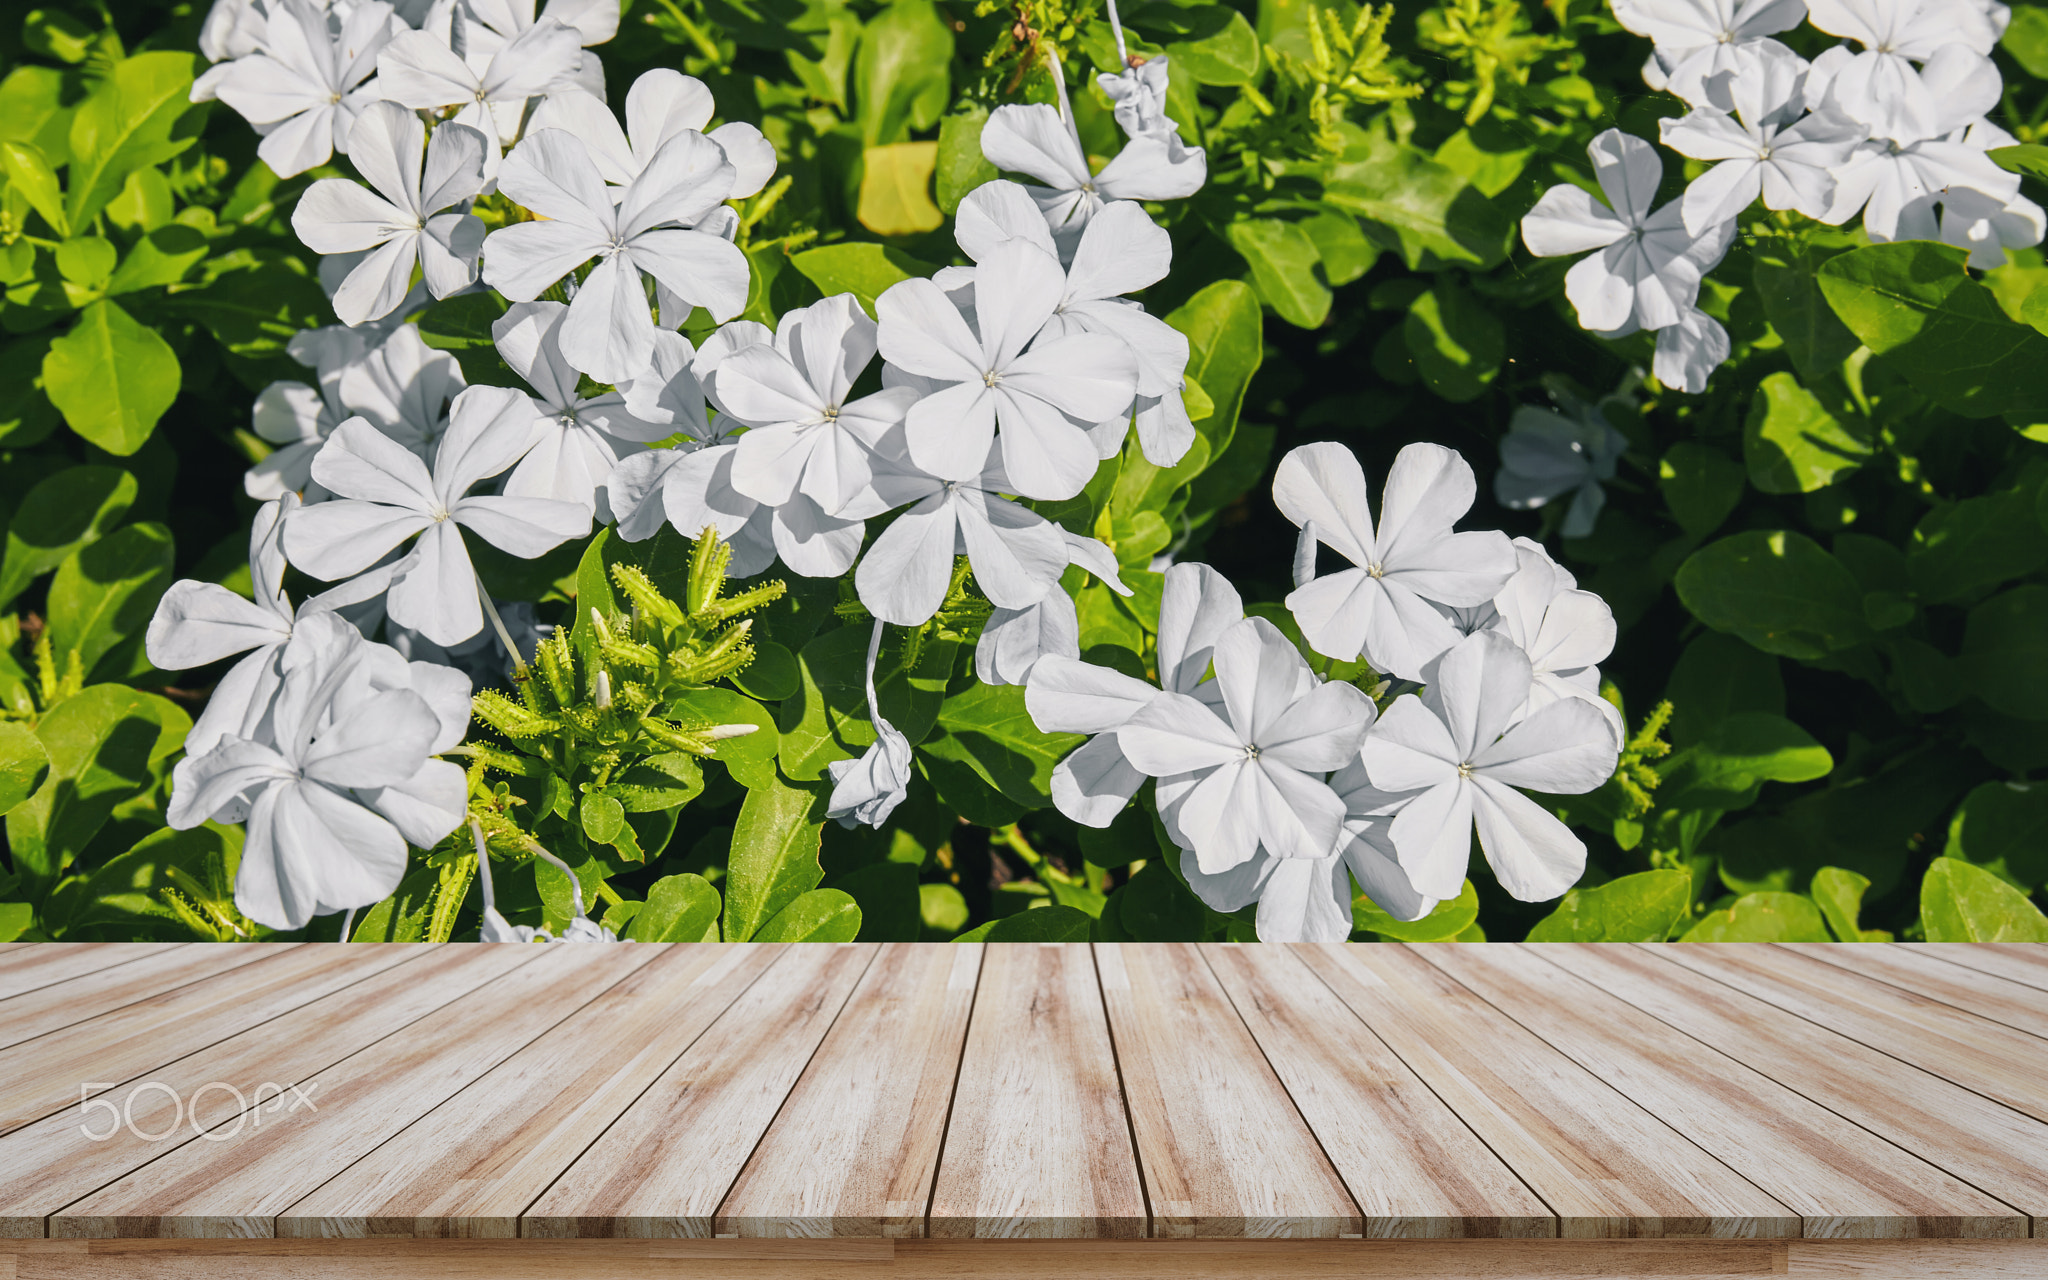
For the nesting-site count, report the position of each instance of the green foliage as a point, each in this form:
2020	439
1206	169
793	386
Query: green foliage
1645	907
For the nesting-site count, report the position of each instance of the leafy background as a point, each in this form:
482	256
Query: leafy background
1830	565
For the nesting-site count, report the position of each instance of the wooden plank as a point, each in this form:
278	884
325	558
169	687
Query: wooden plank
39	1012
1038	1145
2022	962
1846	1182
1604	1165
1974	1052
27	966
53	1162
237	1185
1223	1149
663	1166
854	1149
43	1076
1414	1168
1988	1145
2013	1004
469	1167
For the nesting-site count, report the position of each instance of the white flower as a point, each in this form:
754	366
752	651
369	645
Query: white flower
403	387
1689	350
1368	844
1249	773
1565	632
806	437
298	417
303	89
1095	781
1044	399
342	746
1972	220
1766	144
1138	96
693	490
402	220
418	70
1546	455
865	791
1880	87
609	333
233	29
1038	141
1458	745
1698	39
387	495
661	104
577	439
1014	640
488	24
1381	608
1899	187
1648	266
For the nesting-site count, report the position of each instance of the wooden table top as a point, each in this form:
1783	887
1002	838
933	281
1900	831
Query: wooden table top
1113	1092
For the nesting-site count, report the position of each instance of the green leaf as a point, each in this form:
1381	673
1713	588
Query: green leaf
23	764
1445	921
2026	39
32	110
961	165
162	257
1776	589
1718	676
601	818
988	729
1157	906
1457	342
772	675
106	591
1701	485
29	172
2003	828
827	718
1963	547
678	909
821	915
1345	252
87	261
146	202
254	304
901	76
1426	212
423	908
1839	895
461	326
1763	917
1736	757
61	514
124	900
1222	48
1644	907
750	757
26	415
134	118
941	909
2005	652
1040	924
1283	261
56	34
1792	444
895	189
1226	342
888	896
1914	303
863	270
1786	275
111	377
1962	903
774	854
15	919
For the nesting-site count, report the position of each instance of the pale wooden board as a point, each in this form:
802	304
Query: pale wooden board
663	1166
1223	1149
46	1009
25	966
1037	1144
1988	1145
2014	1004
1414	1167
472	1165
51	1163
236	1186
1604	1165
1975	1052
1846	1182
46	1075
853	1151
2022	962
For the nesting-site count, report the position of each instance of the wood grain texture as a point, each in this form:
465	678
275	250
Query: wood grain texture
854	1149
663	1166
236	1186
2022	962
1223	1148
2012	1004
48	1074
46	1009
471	1166
1414	1168
26	966
1991	1146
47	1165
1037	1145
1973	1051
1604	1165
1844	1181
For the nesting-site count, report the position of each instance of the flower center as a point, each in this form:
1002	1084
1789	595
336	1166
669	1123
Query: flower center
1376	570
1465	769
991	378
1251	751
831	413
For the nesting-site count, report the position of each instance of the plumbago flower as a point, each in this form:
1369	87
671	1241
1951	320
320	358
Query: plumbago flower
577	439
866	790
387	495
1013	640
1461	751
1563	631
303	88
404	386
1138	95
298	418
1382	608
1879	84
418	70
1697	40
609	332
1546	455
401	221
661	104
336	781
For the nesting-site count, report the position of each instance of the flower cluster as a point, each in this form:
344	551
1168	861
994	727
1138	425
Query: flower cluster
1890	124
